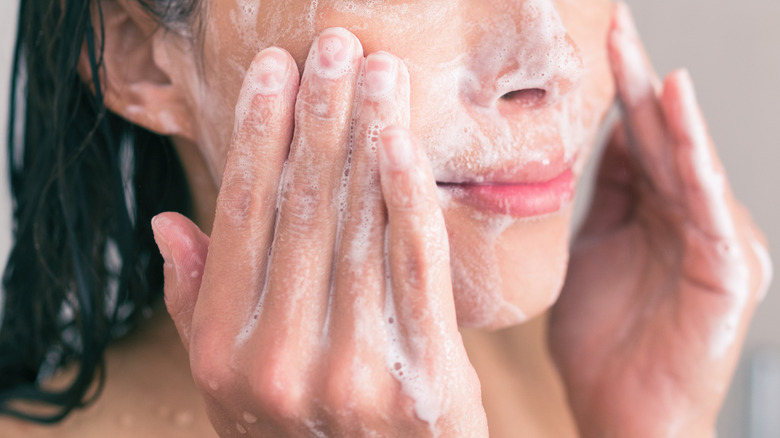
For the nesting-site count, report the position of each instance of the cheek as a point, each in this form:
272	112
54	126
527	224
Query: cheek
588	23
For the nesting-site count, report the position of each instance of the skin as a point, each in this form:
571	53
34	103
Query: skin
662	278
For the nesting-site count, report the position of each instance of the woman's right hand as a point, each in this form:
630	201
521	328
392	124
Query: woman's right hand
322	303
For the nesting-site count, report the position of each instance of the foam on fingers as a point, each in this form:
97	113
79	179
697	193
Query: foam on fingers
704	182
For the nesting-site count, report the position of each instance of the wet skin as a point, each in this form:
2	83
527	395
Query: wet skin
371	273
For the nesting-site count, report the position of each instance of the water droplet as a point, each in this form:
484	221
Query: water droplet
164	411
249	418
184	418
241	429
126	420
214	386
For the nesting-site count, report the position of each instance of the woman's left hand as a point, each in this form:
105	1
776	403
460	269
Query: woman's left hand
665	273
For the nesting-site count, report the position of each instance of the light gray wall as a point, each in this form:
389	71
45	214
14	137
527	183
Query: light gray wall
732	49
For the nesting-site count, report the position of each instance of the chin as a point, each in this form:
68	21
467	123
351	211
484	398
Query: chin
506	271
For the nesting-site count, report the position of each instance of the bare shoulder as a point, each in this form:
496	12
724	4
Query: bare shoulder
148	393
98	421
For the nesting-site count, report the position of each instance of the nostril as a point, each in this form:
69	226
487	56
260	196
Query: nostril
529	97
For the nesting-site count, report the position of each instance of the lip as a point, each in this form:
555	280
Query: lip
518	199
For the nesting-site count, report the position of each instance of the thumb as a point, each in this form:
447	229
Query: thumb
183	247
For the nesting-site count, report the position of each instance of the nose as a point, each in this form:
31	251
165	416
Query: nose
528	60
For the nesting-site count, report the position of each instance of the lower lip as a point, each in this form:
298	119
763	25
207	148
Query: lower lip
517	200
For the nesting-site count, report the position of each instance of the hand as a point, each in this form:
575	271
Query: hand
346	326
665	273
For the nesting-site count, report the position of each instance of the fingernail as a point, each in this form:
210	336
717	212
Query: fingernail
381	75
397	148
333	53
270	70
160	224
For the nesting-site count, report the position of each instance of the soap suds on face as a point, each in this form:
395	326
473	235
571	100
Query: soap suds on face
534	54
245	18
527	47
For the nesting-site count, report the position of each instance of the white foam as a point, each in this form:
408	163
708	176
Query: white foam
408	367
537	54
332	41
470	133
249	418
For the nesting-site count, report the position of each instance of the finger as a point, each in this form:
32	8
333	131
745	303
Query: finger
715	257
615	193
418	250
184	248
636	85
301	262
704	184
358	293
244	220
715	261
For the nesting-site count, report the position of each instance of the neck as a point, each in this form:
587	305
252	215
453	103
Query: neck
521	389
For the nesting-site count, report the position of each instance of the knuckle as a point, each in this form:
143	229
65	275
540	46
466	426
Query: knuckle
338	388
210	368
235	194
235	202
352	387
325	106
263	117
280	389
302	206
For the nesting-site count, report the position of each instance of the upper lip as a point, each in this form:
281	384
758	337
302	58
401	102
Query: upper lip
534	172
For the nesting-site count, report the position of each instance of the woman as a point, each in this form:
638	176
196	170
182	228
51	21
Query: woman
387	172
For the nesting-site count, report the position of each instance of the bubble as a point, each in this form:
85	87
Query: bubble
249	418
184	418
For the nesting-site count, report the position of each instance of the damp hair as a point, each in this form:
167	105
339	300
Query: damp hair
83	269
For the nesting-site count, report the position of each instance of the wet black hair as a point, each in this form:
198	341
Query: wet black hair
83	268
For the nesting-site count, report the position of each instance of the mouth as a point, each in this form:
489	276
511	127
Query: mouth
520	199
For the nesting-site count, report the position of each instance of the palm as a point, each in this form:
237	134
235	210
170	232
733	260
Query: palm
636	330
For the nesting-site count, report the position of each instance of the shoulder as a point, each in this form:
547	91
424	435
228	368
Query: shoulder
148	393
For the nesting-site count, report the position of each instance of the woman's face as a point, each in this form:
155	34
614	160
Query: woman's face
506	97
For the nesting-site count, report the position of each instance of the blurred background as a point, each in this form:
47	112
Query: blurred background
732	49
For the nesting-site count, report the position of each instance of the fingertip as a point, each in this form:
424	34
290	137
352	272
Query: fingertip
271	81
682	110
623	19
183	247
635	77
162	230
396	149
269	71
334	53
381	72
